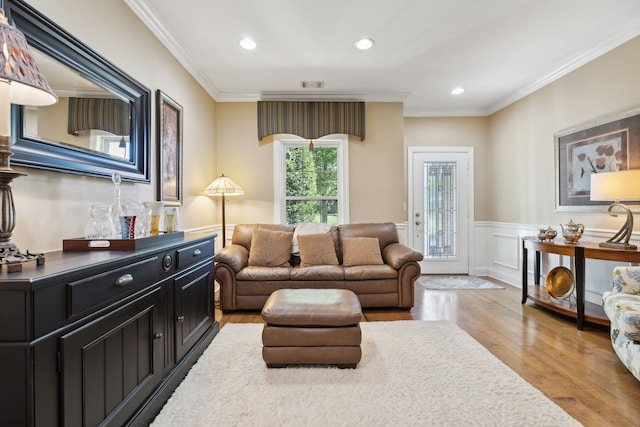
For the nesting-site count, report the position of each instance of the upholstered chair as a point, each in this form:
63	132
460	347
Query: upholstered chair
622	307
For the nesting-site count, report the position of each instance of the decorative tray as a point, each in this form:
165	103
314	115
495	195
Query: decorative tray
81	244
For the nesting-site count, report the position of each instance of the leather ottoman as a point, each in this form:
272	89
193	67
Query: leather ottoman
312	326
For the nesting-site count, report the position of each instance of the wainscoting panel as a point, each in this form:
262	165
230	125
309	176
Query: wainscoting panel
499	255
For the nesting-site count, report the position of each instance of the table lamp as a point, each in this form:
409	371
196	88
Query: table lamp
223	186
21	82
617	186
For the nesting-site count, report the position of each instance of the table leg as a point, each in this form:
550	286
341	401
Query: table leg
580	267
536	268
525	276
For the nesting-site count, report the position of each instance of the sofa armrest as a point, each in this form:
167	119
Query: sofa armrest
626	280
235	256
397	254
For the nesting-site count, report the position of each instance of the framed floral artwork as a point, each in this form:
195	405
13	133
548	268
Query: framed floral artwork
169	131
606	145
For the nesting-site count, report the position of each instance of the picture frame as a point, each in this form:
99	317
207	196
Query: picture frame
169	133
605	145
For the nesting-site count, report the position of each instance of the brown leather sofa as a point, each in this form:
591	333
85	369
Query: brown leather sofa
387	284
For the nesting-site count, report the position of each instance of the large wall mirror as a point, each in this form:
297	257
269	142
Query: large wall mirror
101	122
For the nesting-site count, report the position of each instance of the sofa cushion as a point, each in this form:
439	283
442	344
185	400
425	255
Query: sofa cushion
370	272
317	273
361	251
317	249
257	273
270	248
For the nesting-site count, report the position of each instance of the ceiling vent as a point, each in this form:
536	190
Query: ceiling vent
312	84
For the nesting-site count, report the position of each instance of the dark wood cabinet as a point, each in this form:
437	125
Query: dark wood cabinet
103	338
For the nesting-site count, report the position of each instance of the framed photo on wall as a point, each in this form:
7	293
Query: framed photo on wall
605	145
169	122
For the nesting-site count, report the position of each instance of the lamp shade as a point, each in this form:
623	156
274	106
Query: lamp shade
616	186
223	186
28	86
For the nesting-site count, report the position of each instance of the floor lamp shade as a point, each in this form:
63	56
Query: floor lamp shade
223	186
616	187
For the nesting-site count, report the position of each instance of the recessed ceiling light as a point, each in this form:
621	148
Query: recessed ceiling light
364	43
247	43
457	91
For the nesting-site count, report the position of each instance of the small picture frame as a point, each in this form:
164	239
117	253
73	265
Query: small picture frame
606	145
169	132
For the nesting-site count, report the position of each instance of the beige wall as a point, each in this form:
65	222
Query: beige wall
521	147
376	169
456	132
53	206
514	156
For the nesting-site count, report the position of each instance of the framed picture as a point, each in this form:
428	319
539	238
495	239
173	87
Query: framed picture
169	120
606	145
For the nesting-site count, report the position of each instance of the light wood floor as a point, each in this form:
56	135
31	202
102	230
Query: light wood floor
576	369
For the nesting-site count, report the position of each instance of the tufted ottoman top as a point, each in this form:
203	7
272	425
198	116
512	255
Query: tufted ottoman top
312	307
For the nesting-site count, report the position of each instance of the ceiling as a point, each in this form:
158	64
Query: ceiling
498	50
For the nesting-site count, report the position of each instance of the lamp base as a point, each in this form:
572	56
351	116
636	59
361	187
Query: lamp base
621	239
619	245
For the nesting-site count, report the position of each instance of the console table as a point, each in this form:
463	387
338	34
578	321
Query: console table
583	310
103	337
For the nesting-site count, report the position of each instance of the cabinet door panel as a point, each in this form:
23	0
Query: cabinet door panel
193	307
108	364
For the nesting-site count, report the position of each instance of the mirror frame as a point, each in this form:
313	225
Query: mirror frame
47	37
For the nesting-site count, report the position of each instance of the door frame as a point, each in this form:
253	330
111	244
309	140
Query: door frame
411	151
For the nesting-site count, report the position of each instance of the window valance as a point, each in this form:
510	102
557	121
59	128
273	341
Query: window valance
310	120
111	115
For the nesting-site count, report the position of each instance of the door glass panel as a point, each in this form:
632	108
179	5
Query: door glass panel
440	210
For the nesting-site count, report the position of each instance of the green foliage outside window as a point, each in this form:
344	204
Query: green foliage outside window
311	184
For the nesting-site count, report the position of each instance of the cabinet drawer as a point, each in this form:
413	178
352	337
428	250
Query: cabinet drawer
195	253
95	291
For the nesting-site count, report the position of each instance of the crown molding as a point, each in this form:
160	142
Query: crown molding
624	35
144	11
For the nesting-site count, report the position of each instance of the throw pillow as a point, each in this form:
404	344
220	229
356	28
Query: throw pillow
317	249
361	251
308	228
270	248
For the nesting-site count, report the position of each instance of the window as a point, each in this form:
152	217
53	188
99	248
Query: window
311	185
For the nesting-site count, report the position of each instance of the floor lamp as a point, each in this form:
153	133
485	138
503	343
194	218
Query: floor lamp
223	186
21	82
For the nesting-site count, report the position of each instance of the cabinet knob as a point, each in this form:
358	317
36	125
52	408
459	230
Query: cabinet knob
180	319
125	280
167	262
197	252
158	336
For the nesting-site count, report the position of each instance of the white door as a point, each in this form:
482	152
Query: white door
441	203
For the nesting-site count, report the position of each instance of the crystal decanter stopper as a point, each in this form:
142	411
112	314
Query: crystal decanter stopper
116	210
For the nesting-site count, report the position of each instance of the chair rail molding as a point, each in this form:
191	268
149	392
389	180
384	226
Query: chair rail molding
499	255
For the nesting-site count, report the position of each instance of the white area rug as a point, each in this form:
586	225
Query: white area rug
412	373
437	282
